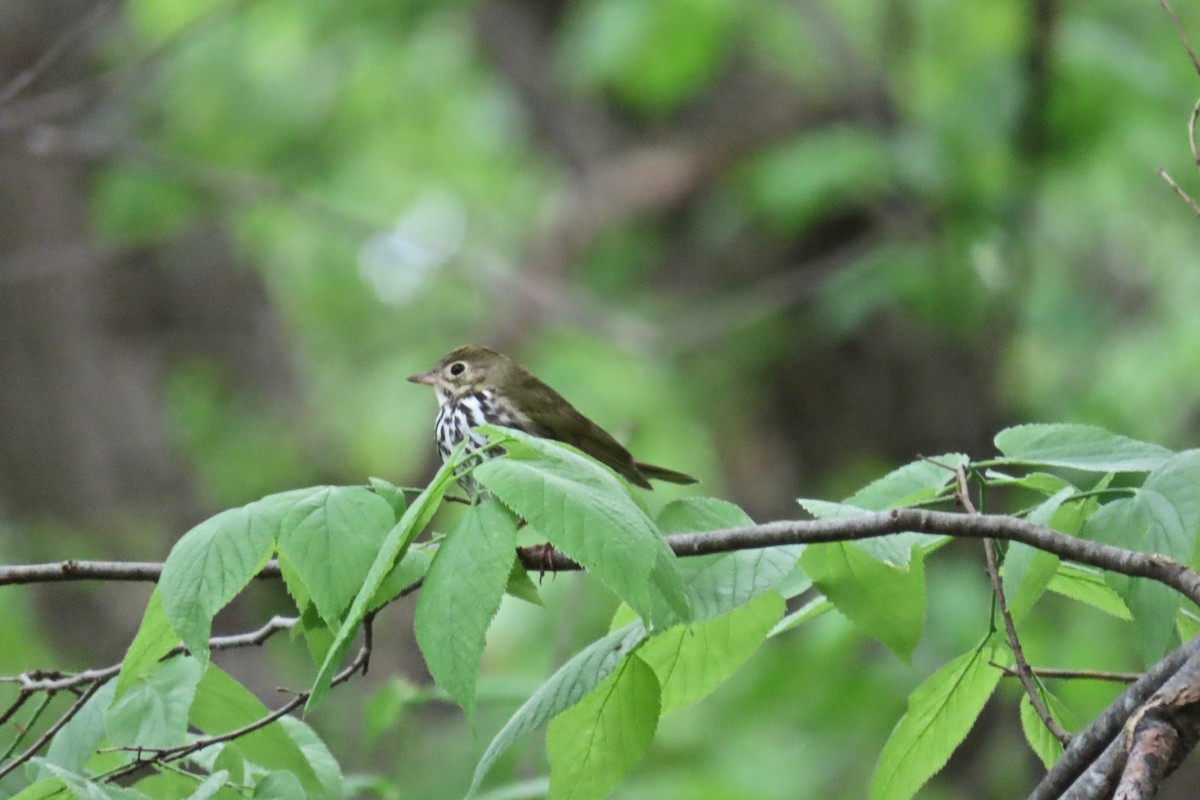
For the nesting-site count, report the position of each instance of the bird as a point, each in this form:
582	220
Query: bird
476	385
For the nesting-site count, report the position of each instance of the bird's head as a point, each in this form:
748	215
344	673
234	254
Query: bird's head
467	368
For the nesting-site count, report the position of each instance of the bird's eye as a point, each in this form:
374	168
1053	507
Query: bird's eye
457	368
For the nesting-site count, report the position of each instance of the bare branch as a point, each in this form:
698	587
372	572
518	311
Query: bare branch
56	51
1023	671
1154	566
1179	190
52	730
1098	751
1161	733
71	570
169	754
40	681
1073	674
1182	36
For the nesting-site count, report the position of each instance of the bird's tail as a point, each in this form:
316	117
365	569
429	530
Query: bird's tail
664	474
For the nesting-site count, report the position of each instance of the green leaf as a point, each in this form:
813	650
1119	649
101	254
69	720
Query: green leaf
393	494
73	746
895	549
1084	447
385	708
210	786
278	785
317	634
84	789
693	660
1087	586
520	585
1147	521
461	595
1178	480
323	762
153	712
1042	482
1028	570
395	546
595	742
1047	748
700	514
177	786
586	513
572	681
330	539
810	610
215	560
887	603
49	789
222	705
912	483
940	713
411	569
154	639
717	584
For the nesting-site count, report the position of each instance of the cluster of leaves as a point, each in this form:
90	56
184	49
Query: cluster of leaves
684	626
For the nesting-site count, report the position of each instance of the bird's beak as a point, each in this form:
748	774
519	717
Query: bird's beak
427	378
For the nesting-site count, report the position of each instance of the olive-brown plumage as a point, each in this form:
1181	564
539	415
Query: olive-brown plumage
476	385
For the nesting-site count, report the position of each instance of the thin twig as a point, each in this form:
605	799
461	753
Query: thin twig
1182	36
169	754
1179	190
963	495
1102	738
56	51
1022	666
1073	674
22	698
34	682
1192	133
53	729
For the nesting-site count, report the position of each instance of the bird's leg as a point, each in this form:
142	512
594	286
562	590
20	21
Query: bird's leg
547	562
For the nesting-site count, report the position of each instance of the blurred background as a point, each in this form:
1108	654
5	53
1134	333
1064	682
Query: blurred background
783	245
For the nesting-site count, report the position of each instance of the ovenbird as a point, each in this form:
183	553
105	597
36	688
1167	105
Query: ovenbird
477	386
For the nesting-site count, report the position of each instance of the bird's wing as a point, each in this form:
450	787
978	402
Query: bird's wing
555	418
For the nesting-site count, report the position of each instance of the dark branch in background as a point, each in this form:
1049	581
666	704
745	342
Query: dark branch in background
1187	198
82	27
79	97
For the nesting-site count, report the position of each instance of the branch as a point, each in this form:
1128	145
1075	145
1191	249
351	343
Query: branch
56	51
116	571
1096	748
42	681
169	754
1154	566
1073	674
1162	733
52	730
1010	629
